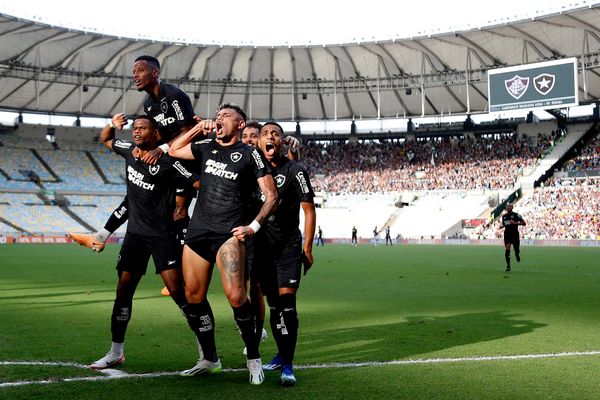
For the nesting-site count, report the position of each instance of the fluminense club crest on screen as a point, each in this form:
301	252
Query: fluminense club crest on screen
516	86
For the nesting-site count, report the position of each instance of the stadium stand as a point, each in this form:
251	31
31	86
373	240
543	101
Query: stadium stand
566	206
420	188
448	163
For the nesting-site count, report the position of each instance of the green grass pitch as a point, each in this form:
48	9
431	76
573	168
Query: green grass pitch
414	322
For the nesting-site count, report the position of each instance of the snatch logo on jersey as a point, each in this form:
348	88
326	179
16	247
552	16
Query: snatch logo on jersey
218	169
154	169
235	157
302	181
137	178
280	180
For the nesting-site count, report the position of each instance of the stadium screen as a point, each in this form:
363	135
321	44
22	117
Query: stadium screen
551	84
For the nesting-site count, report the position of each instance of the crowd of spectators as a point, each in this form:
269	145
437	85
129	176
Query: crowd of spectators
564	207
556	212
458	163
588	159
565	212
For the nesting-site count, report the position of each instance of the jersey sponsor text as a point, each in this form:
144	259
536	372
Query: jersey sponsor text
218	169
137	179
178	111
302	181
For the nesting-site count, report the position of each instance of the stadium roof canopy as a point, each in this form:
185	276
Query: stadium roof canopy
63	71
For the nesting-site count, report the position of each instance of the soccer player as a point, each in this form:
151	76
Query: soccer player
388	236
172	110
150	232
279	250
375	236
219	227
354	236
510	223
250	136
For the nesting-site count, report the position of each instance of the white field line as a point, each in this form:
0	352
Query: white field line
118	374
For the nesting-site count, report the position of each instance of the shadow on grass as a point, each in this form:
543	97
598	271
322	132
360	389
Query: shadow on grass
418	335
42	299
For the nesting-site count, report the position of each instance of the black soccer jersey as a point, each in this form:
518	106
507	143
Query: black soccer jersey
172	110
151	191
228	177
511	229
293	187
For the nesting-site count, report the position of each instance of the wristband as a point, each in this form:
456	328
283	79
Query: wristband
111	124
164	147
255	226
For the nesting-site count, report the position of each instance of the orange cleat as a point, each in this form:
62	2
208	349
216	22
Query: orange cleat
165	291
88	241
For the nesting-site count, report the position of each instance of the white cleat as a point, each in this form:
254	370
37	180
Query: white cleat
108	361
263	337
256	373
203	367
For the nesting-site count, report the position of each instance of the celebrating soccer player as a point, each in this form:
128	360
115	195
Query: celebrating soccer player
220	225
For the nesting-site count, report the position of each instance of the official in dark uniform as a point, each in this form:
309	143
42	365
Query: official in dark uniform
510	223
280	252
388	236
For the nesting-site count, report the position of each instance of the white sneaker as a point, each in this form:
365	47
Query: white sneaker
263	337
203	367
109	360
256	373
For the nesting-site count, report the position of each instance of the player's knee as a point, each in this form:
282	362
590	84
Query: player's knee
237	298
194	296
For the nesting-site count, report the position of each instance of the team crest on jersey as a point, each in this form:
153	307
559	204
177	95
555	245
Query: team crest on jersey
280	180
544	83
235	157
517	86
154	169
164	106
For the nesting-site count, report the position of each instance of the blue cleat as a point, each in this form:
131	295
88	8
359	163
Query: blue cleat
287	375
274	364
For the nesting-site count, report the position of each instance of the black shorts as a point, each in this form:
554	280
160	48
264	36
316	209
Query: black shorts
278	265
137	249
512	239
205	243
